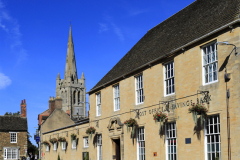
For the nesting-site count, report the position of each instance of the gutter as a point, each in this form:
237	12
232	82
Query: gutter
173	51
80	123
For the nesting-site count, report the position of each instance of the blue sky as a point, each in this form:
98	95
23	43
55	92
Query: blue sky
33	43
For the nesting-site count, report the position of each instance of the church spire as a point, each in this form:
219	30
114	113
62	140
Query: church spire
82	77
58	76
70	68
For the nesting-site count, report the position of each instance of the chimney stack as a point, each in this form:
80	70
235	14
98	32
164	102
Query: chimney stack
51	104
23	108
58	103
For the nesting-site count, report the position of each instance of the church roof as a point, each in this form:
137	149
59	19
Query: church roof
13	123
188	25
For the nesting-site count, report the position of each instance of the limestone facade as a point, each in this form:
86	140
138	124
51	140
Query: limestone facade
189	87
169	76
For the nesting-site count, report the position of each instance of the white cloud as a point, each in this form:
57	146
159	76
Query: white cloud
118	31
137	12
10	25
103	27
4	81
110	25
1	4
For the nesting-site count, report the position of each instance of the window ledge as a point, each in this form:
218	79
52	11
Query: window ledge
138	106
205	84
172	94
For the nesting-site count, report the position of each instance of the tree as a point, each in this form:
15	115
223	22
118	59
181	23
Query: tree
31	148
12	114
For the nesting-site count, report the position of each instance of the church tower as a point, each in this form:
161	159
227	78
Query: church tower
71	89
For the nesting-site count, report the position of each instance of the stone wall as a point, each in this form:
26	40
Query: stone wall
5	142
188	82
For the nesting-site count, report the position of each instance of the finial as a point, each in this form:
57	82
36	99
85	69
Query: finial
70	22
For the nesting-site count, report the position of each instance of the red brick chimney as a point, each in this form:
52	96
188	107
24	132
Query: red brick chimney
51	104
23	109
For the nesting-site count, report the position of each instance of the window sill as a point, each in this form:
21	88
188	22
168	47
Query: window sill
172	94
116	110
205	84
139	104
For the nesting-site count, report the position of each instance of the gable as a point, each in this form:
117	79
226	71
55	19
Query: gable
57	119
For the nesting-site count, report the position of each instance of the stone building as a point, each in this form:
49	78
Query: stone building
13	135
71	89
176	65
69	106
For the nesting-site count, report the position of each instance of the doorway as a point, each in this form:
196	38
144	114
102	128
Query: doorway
117	149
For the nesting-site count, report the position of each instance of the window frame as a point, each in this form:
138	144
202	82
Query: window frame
204	65
75	142
116	108
55	146
85	145
64	145
47	148
138	90
171	138
169	78
98	113
5	154
84	155
11	137
218	124
139	141
99	147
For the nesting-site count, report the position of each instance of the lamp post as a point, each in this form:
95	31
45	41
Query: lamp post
227	78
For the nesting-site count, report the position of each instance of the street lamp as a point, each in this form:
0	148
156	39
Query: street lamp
227	78
227	58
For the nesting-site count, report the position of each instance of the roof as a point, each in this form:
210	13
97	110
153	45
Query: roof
13	123
194	21
43	116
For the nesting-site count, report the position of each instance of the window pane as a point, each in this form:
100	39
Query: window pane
217	147
213	155
209	156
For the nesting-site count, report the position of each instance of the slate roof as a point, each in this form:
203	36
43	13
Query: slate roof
13	123
196	20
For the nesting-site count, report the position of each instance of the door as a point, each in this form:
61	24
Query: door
117	149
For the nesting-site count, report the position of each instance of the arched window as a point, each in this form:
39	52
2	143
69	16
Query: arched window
74	97
79	97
